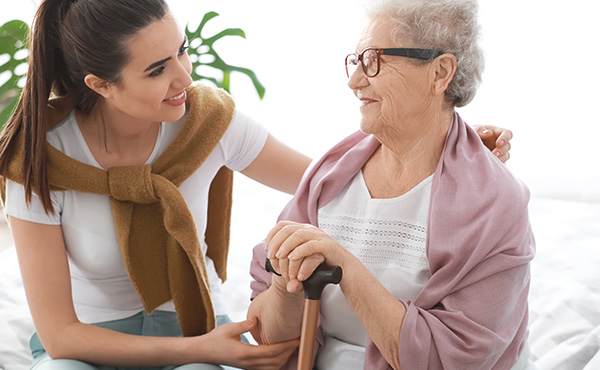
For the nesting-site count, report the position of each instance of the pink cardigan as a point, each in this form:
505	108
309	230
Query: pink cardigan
472	313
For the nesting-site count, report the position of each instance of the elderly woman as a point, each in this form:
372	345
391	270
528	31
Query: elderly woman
430	229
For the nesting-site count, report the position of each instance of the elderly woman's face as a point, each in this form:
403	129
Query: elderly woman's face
395	99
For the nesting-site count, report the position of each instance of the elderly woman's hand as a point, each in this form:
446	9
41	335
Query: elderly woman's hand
296	250
496	139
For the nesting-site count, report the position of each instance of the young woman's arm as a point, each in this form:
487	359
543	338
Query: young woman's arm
45	271
278	166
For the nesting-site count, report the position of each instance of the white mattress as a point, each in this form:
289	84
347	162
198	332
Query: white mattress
564	298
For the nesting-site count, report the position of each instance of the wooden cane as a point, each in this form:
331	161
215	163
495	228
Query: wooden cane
313	287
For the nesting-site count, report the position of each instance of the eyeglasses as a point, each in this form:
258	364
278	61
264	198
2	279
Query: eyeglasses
370	58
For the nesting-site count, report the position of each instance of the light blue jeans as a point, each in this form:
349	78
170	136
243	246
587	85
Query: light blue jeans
159	323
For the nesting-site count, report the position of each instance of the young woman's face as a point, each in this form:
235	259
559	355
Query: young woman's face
152	85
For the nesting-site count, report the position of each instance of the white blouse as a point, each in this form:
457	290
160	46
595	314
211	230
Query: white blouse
388	236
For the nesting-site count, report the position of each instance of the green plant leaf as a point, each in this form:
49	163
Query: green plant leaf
205	48
13	35
7	110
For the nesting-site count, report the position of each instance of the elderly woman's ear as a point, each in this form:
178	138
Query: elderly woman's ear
444	68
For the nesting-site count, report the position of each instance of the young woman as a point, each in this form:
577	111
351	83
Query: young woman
108	163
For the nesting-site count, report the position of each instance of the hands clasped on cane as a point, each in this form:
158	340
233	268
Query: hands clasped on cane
302	241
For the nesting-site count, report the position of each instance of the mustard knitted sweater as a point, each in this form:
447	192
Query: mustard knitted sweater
156	231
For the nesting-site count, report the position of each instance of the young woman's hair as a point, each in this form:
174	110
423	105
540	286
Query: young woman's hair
70	39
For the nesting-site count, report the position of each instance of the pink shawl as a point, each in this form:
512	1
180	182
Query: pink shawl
472	313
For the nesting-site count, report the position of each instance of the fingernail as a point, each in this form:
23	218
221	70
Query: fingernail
485	132
497	154
501	142
300	276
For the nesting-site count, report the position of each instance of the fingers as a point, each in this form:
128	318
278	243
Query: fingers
496	139
283	238
289	237
271	356
265	356
302	262
503	145
487	136
248	356
502	151
235	329
301	268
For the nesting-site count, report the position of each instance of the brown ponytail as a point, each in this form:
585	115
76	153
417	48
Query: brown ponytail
68	40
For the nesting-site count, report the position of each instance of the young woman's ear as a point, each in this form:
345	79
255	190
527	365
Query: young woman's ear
98	84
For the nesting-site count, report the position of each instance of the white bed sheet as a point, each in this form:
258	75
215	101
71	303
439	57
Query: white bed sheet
564	297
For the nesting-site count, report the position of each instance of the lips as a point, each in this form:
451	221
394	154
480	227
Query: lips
366	101
177	99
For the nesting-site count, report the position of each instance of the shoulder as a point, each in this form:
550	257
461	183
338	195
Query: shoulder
63	133
470	170
473	191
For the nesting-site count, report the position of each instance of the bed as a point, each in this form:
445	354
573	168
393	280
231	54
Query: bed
564	296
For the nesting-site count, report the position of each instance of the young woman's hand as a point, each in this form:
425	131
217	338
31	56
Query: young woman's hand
228	349
496	139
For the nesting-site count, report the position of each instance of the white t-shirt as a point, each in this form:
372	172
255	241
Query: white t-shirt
102	290
388	236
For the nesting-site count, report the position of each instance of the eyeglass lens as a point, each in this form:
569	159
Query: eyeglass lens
369	61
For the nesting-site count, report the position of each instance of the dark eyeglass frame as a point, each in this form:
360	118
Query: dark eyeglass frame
426	54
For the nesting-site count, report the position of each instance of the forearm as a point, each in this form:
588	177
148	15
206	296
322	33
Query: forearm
278	166
97	345
279	314
380	313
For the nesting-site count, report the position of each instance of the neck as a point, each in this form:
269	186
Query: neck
118	139
407	158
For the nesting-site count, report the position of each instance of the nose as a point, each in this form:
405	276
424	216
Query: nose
358	79
183	77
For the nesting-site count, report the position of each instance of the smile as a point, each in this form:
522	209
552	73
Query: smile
367	101
177	96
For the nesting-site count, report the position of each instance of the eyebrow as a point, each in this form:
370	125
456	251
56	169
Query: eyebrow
163	61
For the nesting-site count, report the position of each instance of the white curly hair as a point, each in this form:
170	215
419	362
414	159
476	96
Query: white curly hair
449	26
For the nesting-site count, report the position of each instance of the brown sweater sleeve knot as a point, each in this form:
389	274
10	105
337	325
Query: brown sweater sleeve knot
132	183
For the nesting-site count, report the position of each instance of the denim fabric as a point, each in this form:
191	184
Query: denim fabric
159	323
